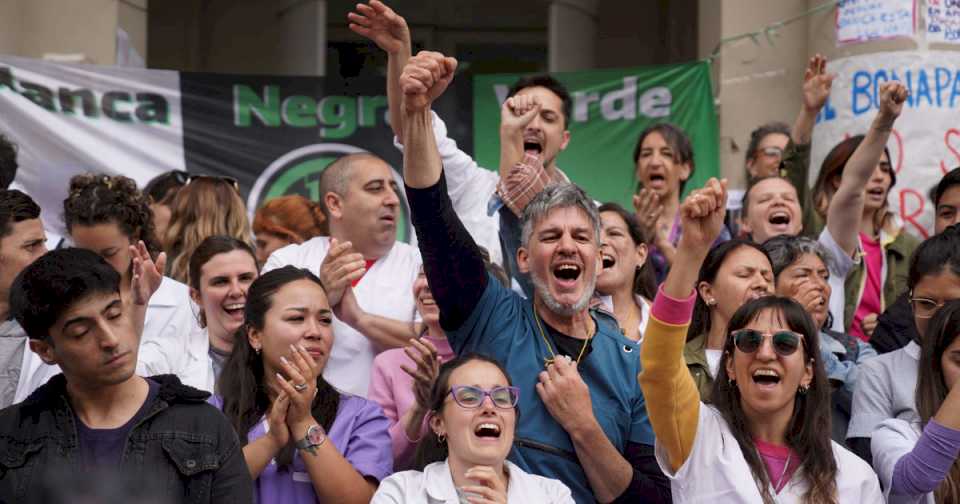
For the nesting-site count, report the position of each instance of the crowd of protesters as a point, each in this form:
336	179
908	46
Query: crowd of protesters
535	346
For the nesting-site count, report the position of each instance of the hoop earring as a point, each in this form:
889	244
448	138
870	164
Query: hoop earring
802	389
442	438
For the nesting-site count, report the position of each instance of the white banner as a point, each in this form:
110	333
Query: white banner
69	119
925	142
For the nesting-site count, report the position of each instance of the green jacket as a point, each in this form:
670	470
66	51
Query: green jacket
695	355
796	169
896	263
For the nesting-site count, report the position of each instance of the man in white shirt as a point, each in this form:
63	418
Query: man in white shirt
367	274
22	241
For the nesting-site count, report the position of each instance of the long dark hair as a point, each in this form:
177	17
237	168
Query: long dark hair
932	388
644	279
808	433
700	323
833	166
430	449
679	143
242	384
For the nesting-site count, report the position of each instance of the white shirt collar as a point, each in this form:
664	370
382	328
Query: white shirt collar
439	483
912	349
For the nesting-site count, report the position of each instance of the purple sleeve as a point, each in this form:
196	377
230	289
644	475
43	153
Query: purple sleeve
921	471
369	449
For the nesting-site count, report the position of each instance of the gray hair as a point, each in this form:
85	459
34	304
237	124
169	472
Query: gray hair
784	250
555	196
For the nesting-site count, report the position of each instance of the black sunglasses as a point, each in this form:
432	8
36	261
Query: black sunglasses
185	179
785	343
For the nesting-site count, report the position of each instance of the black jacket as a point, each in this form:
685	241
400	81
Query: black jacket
895	327
182	450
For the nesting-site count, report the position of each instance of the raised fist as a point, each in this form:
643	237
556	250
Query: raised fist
892	96
517	112
425	78
702	213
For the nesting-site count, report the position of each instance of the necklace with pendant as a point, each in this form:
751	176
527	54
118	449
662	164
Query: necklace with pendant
553	356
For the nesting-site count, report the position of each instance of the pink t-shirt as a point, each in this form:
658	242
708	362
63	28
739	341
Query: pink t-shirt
775	458
872	288
392	389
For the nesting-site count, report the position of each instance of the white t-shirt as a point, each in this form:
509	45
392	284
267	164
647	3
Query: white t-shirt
893	439
172	343
715	471
886	388
607	303
386	289
435	485
470	188
713	361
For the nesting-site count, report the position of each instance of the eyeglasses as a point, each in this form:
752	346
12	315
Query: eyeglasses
774	152
923	307
785	343
472	397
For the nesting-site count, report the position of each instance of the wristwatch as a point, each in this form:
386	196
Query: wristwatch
314	438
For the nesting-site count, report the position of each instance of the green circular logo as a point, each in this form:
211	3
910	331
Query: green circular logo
298	172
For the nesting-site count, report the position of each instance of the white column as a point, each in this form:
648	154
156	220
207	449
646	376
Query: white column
572	34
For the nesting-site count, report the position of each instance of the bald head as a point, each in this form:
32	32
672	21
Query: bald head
361	199
336	177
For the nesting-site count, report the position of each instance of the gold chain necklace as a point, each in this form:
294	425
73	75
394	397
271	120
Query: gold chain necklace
553	356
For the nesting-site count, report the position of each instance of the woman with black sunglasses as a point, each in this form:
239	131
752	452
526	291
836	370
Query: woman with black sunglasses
473	414
765	435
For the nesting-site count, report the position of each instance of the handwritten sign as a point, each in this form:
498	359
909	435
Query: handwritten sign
863	20
925	142
943	21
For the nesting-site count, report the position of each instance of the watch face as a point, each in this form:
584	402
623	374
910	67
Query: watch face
315	435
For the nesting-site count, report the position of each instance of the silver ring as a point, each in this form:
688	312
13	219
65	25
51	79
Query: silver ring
300	387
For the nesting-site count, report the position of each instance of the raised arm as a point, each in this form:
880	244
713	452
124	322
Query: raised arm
389	31
816	89
673	402
451	260
515	114
846	207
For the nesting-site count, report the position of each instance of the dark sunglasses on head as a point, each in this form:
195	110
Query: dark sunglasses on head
190	178
748	341
472	397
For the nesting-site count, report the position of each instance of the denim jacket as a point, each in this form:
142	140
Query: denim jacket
182	448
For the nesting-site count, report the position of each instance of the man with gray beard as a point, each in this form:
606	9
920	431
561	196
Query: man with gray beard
584	416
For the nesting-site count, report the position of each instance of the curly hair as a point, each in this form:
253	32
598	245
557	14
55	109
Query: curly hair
206	206
97	198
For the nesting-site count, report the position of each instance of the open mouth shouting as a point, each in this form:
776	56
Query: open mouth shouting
766	378
487	431
566	274
533	145
608	261
877	193
780	220
656	181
